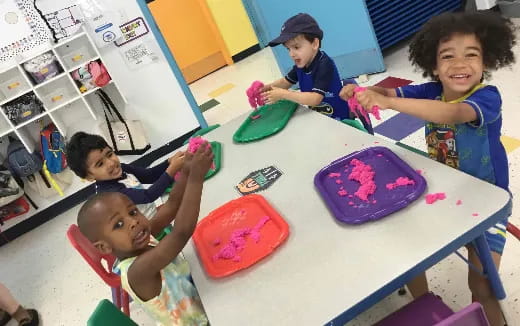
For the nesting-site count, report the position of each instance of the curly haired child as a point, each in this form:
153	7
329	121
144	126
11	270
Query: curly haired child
463	115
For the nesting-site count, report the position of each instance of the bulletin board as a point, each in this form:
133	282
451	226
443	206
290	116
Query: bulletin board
22	28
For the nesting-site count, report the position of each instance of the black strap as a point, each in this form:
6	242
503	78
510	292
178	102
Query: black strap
44	178
110	131
109	105
107	101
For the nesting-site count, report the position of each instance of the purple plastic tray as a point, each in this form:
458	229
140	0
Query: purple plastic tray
388	168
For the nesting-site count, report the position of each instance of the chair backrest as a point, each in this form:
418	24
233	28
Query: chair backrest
93	257
108	314
471	315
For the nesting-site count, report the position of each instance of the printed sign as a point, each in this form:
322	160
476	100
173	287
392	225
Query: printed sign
258	180
132	30
139	55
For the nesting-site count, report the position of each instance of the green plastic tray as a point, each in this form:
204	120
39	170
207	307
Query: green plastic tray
273	118
202	132
216	147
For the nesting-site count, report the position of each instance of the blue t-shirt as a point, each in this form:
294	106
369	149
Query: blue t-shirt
322	77
473	147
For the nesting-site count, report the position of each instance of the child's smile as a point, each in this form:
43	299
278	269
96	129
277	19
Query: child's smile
103	165
459	65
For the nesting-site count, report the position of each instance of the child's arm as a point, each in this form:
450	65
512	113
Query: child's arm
144	273
303	98
151	175
430	110
168	211
159	185
279	83
348	91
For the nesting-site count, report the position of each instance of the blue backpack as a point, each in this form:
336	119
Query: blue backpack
52	143
20	161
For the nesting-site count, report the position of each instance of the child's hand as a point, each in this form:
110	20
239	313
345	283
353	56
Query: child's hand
266	88
347	91
175	163
201	162
177	159
369	98
274	95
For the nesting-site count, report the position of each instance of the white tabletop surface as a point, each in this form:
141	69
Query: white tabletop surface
324	268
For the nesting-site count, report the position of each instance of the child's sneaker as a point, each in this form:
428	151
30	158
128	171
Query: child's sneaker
33	321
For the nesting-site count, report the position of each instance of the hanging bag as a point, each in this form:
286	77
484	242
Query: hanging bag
20	161
126	136
52	144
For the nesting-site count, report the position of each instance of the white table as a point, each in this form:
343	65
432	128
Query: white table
327	272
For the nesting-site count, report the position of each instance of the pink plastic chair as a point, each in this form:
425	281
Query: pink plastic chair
95	259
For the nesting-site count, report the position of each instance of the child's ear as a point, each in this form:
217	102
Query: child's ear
89	177
316	43
103	247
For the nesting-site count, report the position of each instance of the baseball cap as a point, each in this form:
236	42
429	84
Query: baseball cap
296	25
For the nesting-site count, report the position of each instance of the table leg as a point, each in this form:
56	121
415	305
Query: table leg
489	267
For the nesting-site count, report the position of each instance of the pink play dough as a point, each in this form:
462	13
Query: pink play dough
432	198
459	202
338	181
254	96
334	175
193	146
237	241
358	110
401	181
363	174
342	193
475	214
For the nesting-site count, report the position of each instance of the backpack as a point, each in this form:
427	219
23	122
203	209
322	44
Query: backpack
99	73
52	144
91	75
21	162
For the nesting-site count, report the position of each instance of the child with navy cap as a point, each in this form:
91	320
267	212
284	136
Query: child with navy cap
313	70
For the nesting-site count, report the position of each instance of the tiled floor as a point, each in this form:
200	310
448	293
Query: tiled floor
43	270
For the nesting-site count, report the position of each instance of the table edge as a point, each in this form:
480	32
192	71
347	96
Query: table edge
395	284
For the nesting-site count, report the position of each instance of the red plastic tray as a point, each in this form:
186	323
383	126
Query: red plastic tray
244	212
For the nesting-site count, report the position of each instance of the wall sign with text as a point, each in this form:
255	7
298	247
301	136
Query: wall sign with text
132	30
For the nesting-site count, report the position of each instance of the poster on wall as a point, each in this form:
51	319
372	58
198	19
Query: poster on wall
138	55
22	27
65	21
101	20
132	30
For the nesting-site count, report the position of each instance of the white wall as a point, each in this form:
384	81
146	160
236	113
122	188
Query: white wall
485	4
154	92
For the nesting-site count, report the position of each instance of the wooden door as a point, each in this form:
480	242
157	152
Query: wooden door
191	35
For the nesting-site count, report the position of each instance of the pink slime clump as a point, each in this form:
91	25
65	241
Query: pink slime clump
358	109
193	145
